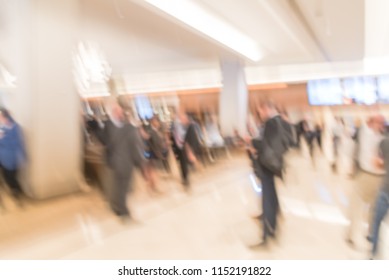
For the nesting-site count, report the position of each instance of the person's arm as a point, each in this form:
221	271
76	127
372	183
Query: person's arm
102	133
20	143
379	160
189	142
191	156
156	144
137	148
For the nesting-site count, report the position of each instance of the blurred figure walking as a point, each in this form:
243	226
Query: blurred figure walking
369	176
271	149
12	152
123	150
337	130
180	147
382	200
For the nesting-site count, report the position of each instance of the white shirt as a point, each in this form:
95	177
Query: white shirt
179	133
337	129
369	142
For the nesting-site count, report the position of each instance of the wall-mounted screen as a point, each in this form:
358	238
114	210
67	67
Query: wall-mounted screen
354	90
383	89
143	107
360	90
325	92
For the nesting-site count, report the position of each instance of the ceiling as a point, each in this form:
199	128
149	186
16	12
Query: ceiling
136	38
143	44
337	26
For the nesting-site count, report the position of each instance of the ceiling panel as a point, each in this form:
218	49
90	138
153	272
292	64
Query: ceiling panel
338	25
137	40
251	18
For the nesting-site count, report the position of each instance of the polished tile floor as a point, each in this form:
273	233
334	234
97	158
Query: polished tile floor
213	222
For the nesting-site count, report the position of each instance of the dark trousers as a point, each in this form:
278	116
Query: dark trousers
11	179
118	193
165	161
298	140
381	209
336	142
318	139
184	165
270	204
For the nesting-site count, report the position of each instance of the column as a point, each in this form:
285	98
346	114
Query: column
233	98
44	101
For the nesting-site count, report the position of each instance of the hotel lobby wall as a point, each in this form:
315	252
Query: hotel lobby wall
292	97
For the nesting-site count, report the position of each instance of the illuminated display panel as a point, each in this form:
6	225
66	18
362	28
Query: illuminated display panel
325	92
383	89
360	90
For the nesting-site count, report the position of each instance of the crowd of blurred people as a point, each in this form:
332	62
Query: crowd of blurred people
364	144
116	144
123	142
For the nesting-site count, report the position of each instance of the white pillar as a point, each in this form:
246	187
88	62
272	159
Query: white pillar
233	98
45	103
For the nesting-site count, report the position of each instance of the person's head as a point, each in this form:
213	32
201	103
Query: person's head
183	117
267	110
5	116
377	123
155	122
115	111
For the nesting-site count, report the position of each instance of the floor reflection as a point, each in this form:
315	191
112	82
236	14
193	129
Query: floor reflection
214	222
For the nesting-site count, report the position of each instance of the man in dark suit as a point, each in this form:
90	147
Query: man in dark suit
123	152
277	138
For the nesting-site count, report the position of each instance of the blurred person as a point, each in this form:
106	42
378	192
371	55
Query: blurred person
337	131
252	147
308	129
179	131
347	148
193	143
159	143
12	153
355	137
382	200
93	151
270	151
150	156
288	127
357	126
299	132
318	135
214	138
123	152
369	176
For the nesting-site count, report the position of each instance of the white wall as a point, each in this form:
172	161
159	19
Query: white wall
39	37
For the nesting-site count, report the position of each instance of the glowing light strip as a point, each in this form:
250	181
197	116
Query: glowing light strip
198	18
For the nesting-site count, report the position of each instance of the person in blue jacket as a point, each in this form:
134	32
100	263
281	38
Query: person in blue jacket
12	151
